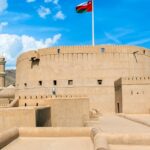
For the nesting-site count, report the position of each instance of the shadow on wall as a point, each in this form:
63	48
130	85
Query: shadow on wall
43	117
34	62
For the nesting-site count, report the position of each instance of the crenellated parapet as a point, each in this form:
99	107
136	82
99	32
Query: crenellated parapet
99	49
136	80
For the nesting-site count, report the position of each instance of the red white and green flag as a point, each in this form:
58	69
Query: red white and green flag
84	7
88	6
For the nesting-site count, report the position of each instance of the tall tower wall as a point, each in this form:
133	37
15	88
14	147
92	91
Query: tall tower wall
80	70
2	71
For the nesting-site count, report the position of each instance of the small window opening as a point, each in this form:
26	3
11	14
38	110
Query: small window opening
99	82
102	50
40	83
25	84
55	82
131	92
58	50
143	51
25	104
70	82
25	97
118	107
37	104
53	91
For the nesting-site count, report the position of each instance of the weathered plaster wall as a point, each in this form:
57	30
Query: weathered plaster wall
64	111
135	95
19	117
84	65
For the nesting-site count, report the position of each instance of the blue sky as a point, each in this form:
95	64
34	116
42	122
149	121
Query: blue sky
32	24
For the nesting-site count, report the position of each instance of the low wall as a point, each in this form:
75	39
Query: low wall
17	117
20	117
100	140
128	139
55	132
64	111
8	136
4	101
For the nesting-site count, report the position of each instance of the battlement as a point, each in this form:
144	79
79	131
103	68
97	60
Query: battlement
47	97
133	80
99	49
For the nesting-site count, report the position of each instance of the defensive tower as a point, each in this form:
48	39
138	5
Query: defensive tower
2	71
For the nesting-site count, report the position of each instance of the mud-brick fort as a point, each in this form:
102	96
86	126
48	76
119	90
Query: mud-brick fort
105	87
85	70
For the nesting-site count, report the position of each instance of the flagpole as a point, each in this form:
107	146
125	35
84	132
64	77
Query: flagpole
93	27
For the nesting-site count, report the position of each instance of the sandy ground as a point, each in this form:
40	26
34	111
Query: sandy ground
141	118
129	147
116	124
73	143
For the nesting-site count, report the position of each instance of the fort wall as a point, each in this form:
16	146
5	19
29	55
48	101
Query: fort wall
80	70
132	94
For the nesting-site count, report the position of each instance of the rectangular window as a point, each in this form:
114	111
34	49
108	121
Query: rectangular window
99	82
102	50
25	84
40	83
55	82
70	82
58	50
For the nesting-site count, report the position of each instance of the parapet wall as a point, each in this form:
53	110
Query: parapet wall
64	110
17	117
85	50
98	140
136	80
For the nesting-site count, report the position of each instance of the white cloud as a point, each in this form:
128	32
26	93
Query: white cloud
12	45
59	15
30	1
2	25
20	16
43	11
53	1
142	41
3	5
112	38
